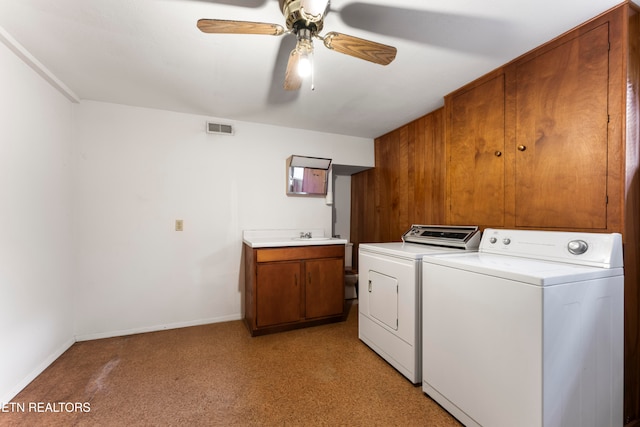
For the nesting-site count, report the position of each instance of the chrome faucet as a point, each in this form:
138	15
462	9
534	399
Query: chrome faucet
304	235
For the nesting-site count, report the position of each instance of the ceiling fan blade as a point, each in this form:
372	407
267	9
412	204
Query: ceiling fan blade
277	94
360	48
221	26
292	80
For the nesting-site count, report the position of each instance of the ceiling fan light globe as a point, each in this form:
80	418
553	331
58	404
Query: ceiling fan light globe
304	66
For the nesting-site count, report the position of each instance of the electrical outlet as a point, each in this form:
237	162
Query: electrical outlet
179	225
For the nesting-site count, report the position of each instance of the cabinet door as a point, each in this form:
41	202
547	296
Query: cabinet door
324	287
278	293
561	135
475	165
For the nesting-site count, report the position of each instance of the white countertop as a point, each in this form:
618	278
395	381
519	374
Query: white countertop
280	238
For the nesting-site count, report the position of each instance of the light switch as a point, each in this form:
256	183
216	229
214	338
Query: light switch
179	225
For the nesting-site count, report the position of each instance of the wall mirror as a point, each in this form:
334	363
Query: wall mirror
307	176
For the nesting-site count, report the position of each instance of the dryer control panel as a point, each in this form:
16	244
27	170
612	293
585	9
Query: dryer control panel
451	236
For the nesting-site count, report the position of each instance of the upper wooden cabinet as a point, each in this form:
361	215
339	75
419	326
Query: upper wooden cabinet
475	154
528	145
561	115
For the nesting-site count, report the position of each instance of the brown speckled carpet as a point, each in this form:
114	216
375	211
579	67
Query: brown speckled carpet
218	375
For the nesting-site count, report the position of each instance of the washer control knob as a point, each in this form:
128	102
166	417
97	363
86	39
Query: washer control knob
577	247
493	240
506	240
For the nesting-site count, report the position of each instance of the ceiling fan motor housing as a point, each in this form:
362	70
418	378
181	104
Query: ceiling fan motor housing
296	18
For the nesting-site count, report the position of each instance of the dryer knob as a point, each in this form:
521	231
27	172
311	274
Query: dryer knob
493	240
577	247
506	241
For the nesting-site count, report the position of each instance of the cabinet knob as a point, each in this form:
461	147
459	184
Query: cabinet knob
522	147
498	153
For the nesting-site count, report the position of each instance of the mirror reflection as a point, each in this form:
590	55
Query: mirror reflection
307	176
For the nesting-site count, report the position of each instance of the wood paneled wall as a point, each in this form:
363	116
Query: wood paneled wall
406	187
631	231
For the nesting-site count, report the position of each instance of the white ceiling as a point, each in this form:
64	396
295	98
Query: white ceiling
149	53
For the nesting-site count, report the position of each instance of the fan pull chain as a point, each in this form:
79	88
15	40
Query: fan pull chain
313	72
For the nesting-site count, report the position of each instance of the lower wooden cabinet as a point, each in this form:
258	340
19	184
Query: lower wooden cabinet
293	287
324	287
278	289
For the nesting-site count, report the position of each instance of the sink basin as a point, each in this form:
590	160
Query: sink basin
311	239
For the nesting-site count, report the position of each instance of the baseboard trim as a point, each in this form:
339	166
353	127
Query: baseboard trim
156	328
37	371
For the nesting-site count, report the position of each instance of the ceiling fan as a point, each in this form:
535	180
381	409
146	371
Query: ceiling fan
304	19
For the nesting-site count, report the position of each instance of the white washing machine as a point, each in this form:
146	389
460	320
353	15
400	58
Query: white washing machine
389	292
528	331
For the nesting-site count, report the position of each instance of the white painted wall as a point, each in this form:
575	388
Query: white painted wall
138	170
36	314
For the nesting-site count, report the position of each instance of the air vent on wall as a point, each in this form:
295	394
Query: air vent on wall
219	128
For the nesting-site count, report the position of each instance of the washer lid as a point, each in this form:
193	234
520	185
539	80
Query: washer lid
526	270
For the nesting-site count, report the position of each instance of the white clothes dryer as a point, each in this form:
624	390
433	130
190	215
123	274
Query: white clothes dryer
389	295
528	331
